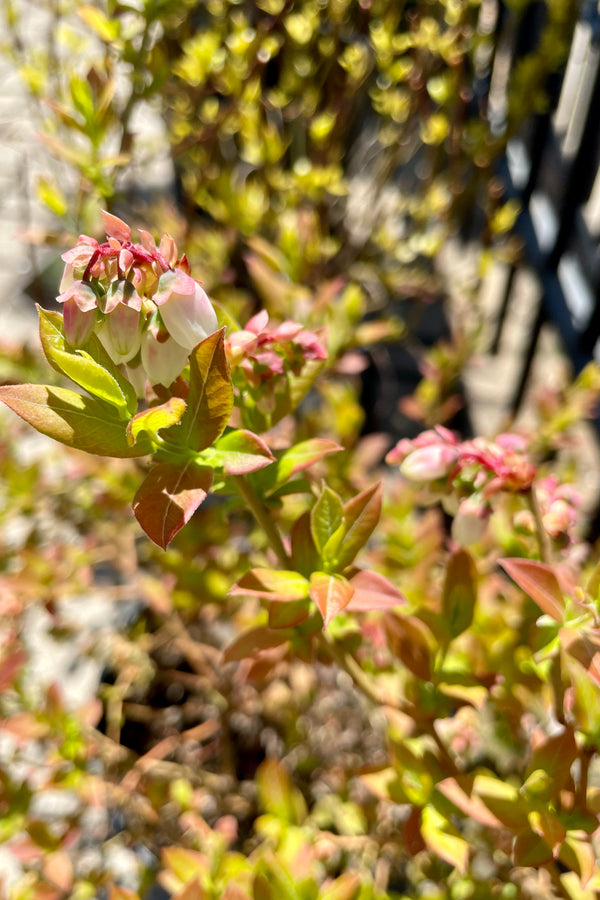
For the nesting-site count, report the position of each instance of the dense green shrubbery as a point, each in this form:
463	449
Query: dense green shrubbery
322	689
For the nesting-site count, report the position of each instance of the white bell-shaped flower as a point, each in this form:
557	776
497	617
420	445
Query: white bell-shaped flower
185	309
162	357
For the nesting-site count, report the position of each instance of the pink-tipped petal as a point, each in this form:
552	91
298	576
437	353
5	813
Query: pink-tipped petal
82	294
188	316
115	227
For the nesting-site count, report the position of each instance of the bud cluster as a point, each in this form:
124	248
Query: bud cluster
258	354
139	299
465	476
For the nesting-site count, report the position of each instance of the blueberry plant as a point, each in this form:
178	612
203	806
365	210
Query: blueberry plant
425	699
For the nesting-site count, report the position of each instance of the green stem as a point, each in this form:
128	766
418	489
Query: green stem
263	517
541	533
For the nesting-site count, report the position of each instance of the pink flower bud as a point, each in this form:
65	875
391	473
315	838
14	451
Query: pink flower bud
429	463
559	519
78	324
185	309
120	333
162	357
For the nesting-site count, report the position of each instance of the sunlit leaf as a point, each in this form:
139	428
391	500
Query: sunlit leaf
275	584
210	399
80	422
361	515
331	593
326	518
443	839
276	793
303	455
99	376
153	419
240	452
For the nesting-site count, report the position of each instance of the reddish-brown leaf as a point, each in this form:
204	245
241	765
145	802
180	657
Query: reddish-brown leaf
331	593
210	399
361	515
10	667
539	582
168	497
458	791
373	591
255	639
409	640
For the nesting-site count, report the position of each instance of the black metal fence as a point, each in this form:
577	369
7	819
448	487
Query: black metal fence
552	169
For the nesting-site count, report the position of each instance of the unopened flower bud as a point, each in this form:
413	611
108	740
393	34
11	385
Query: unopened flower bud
429	463
185	309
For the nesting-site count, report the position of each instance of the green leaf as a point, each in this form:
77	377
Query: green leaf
503	801
539	582
168	497
361	515
304	553
277	795
210	400
106	29
153	419
288	614
303	455
50	195
326	518
184	864
443	839
79	422
274	584
459	594
331	593
81	95
578	854
240	452
91	368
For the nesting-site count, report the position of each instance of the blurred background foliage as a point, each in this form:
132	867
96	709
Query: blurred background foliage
312	157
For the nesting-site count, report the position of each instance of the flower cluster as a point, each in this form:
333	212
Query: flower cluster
139	299
465	475
259	353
